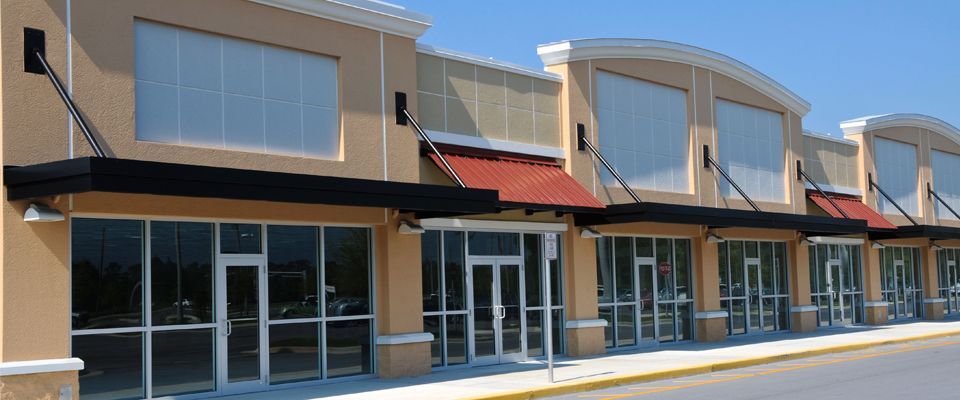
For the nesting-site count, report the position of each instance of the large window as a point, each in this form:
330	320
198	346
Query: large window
199	89
644	132
750	149
835	284
754	287
948	279
945	165
896	165
901	281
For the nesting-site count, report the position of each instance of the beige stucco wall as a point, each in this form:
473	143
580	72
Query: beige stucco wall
103	83
830	162
703	87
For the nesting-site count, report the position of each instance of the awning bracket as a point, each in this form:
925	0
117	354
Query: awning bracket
403	115
708	161
931	192
801	176
873	185
583	143
34	61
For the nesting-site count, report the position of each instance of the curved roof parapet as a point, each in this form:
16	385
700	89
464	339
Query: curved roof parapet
868	123
374	14
587	49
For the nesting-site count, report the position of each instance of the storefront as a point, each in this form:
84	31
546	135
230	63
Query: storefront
949	281
753	286
902	281
836	284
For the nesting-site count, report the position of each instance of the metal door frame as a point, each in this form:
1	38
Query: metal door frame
495	262
828	269
223	263
637	308
748	304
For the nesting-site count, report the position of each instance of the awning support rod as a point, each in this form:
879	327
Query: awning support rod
403	115
803	176
873	185
708	161
583	142
34	47
930	192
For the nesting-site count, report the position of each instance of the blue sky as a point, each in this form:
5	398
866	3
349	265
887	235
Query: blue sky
848	59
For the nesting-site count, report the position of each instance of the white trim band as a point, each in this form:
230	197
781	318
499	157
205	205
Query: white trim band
487	62
875	304
835	240
934	300
494	144
802	309
404	338
586	323
710	314
834	189
874	122
377	15
40	366
826	136
492	225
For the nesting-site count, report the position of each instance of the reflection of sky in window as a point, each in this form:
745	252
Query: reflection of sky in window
119	240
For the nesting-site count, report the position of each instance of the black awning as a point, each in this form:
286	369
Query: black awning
918	231
114	175
720	218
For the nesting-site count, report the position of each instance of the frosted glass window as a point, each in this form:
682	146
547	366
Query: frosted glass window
199	89
750	148
945	165
896	164
643	133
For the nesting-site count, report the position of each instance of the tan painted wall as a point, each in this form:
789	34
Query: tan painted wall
580	276
580	87
925	141
399	294
103	83
829	162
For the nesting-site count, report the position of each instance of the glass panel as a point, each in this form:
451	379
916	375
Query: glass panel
430	270
780	264
293	260
750	250
766	269
558	329
535	333
183	362
857	268
665	320
724	270
753	272
604	270
114	374
431	324
624	269
682	269
783	313
511	333
725	306
533	269
737	285
483	314
738	317
294	352
684	322
243	344
889	276
107	273
556	281
347	271
348	348
494	243
182	272
456	339
606	314
646	289
644	247
454	277
768	311
240	239
814	268
665	270
825	314
626	331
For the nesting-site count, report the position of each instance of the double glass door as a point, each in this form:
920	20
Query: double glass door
838	308
496	310
949	280
240	337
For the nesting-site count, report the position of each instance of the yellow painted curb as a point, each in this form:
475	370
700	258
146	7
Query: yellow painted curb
624	379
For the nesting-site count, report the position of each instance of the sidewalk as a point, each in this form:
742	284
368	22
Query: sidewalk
529	379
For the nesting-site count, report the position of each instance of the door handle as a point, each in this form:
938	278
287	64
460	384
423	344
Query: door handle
229	327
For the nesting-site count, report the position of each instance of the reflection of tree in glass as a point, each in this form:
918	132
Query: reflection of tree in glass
347	270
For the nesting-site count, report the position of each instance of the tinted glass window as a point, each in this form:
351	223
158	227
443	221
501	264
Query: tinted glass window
294	352
240	239
107	278
494	243
293	263
533	269
347	271
183	362
182	272
430	270
116	373
348	348
453	271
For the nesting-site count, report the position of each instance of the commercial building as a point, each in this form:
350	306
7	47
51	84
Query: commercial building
266	194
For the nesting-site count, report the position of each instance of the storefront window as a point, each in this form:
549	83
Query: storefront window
107	273
182	272
753	286
293	260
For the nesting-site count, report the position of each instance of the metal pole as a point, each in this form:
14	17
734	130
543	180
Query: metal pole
70	106
433	148
886	196
612	171
549	323
822	193
930	191
732	183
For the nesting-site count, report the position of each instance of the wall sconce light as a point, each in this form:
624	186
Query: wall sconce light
409	228
588	233
804	241
933	244
877	245
715	238
42	213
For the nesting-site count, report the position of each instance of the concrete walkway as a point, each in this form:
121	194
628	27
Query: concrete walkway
529	379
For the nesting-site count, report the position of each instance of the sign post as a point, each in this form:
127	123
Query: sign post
549	254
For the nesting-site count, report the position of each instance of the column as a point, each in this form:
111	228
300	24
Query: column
584	329
803	314
711	319
875	308
403	349
932	302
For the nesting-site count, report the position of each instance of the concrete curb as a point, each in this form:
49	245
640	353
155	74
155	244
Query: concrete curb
624	379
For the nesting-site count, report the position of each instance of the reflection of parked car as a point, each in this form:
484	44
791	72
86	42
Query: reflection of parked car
347	306
306	307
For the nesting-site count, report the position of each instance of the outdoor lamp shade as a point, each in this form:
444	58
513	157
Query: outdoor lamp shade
42	213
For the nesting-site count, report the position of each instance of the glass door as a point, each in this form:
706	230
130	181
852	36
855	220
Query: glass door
754	301
834	277
496	311
240	331
646	301
951	275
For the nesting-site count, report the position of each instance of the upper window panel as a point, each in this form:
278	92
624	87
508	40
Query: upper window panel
750	142
467	99
829	162
644	133
896	165
945	165
199	89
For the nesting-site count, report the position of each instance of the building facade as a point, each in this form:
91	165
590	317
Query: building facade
262	194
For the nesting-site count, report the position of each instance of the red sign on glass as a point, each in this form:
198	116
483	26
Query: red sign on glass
665	268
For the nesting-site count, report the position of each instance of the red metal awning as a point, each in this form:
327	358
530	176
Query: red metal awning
853	207
520	180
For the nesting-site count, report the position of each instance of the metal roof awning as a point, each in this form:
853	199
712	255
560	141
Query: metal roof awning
853	208
721	218
932	232
114	175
